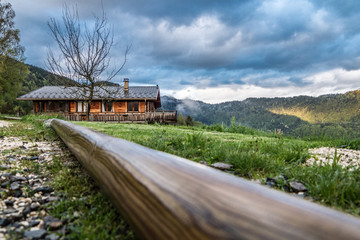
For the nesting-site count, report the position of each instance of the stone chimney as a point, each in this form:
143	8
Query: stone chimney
126	84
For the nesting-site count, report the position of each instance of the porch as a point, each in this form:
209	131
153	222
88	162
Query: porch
156	116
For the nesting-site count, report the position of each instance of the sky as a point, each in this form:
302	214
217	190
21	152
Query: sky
217	51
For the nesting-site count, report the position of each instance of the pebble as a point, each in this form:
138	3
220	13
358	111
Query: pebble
26	195
297	187
222	166
35	234
14	186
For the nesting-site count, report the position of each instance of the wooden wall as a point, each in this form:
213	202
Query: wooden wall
72	107
36	107
142	106
95	107
120	106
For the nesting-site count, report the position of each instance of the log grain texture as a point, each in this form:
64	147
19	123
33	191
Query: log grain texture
168	197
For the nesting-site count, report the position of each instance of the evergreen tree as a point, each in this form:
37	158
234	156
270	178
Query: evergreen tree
12	70
189	121
181	120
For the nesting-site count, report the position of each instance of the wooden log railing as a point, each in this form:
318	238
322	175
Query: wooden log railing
168	197
158	116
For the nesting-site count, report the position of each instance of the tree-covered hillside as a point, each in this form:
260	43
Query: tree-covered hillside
30	77
336	115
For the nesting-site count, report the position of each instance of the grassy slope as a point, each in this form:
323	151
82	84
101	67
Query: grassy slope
252	156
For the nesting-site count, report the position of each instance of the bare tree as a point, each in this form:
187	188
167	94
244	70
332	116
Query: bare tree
84	55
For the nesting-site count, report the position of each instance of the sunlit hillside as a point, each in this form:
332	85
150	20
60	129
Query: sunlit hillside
325	109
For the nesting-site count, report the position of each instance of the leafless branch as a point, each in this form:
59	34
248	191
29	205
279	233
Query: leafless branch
84	53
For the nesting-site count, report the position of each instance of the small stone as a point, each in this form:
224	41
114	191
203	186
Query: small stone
48	219
5	184
221	166
43	213
4	222
297	186
33	223
16	216
9	203
3	167
9	211
270	182
23	147
16	225
27	210
14	186
44	189
35	234
17	178
24	223
17	193
55	225
34	158
34	206
52	236
301	194
52	199
6	175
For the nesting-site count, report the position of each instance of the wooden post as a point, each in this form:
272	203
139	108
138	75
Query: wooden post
168	197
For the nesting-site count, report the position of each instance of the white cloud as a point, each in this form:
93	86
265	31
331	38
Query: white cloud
334	81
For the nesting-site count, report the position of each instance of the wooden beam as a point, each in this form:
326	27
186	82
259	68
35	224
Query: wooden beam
168	197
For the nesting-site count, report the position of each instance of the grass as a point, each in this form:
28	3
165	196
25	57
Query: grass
87	212
253	156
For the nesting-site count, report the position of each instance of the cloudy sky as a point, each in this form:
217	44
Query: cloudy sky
215	51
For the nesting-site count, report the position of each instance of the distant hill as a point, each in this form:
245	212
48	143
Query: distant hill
37	78
293	115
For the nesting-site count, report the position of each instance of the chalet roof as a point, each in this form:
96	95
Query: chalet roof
73	93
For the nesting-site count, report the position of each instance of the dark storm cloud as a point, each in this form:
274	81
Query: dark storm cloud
266	43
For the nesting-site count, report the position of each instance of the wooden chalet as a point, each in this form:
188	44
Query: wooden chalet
115	103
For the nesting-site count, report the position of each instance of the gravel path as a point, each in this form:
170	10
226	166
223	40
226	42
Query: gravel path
346	157
25	195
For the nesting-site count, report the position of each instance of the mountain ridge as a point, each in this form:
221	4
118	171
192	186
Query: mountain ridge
288	114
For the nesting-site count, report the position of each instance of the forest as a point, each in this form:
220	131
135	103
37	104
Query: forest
324	117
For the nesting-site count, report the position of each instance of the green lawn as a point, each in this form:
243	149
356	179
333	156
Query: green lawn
253	156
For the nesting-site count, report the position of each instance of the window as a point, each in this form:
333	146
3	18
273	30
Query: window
51	107
107	106
41	107
133	106
61	106
81	106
